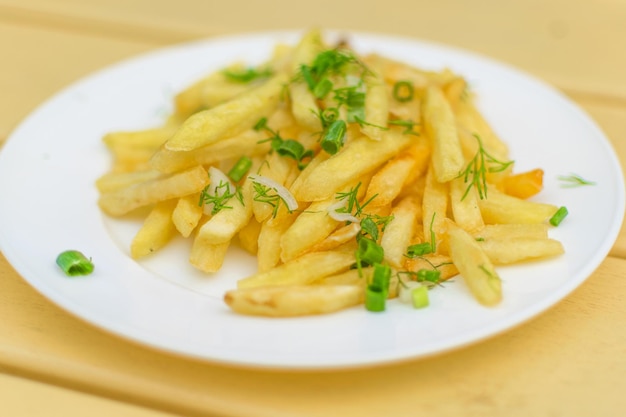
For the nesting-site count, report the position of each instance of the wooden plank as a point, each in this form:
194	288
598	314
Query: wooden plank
46	60
574	45
568	361
22	397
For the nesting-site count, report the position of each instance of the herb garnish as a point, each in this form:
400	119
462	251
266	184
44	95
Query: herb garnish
477	169
574	180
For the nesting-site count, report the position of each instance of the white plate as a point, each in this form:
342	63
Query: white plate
49	165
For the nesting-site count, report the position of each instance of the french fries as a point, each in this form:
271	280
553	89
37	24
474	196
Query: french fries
413	185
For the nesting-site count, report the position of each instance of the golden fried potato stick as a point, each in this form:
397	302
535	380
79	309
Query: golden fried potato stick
506	251
440	125
303	270
357	158
157	230
289	301
125	200
229	118
475	266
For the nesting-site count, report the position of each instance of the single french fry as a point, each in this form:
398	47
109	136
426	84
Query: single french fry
244	144
388	181
125	200
312	226
149	139
157	230
472	121
303	103
349	277
464	204
455	91
523	185
301	271
131	159
187	214
208	92
272	230
298	182
502	208
512	250
208	257
228	119
511	230
434	209
357	158
289	301
337	238
475	266
249	236
376	103
440	125
113	181
400	230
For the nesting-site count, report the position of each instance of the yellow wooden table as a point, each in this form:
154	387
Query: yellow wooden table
570	361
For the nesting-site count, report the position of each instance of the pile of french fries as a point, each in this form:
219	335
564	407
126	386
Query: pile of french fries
416	159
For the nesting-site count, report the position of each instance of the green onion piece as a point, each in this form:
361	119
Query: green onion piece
430	275
381	277
240	168
322	88
332	140
290	148
403	91
329	115
375	298
419	249
308	76
419	296
369	251
74	263
558	217
246	75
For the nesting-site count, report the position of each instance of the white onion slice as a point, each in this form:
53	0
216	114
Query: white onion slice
283	192
339	216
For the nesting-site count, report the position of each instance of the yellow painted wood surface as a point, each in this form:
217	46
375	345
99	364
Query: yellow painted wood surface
569	361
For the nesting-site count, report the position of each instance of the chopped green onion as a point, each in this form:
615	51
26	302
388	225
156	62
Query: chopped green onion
430	275
294	149
322	88
558	217
333	137
74	263
375	298
241	167
369	251
381	277
403	91
354	100
419	249
329	115
419	296
246	75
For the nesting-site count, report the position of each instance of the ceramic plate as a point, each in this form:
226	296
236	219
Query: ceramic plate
49	165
